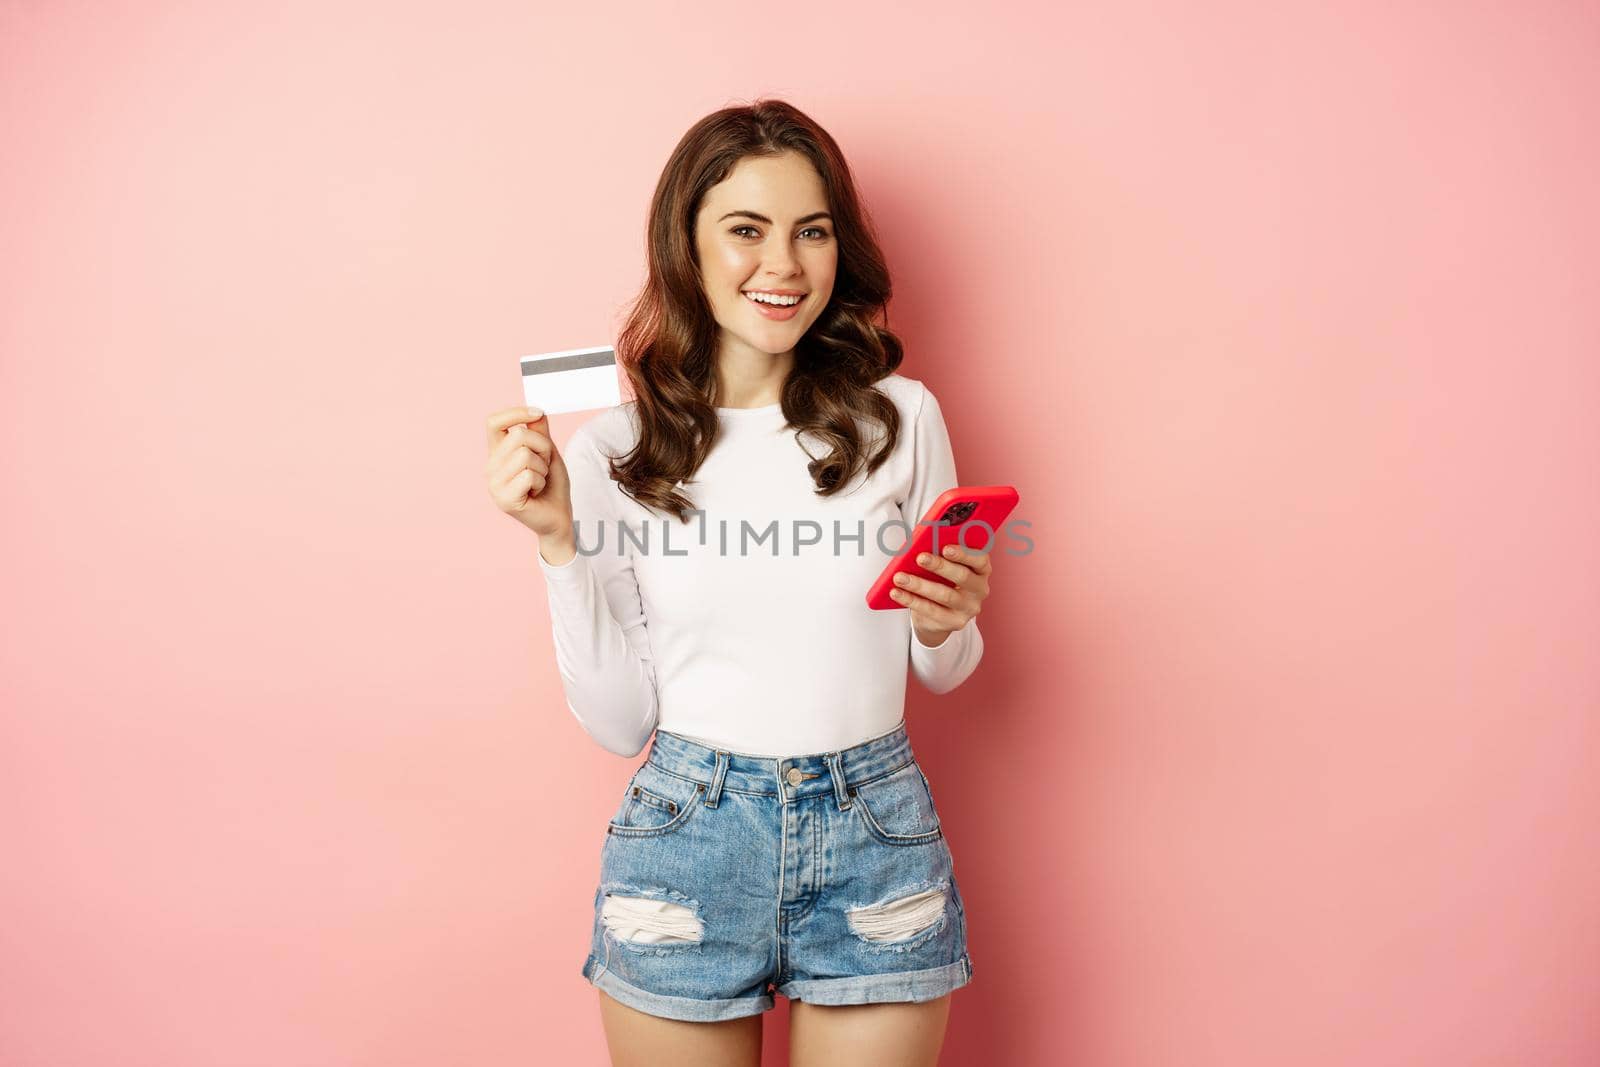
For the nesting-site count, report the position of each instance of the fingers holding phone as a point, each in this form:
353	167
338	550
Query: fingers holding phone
938	608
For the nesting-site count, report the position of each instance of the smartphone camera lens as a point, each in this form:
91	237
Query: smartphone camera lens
957	513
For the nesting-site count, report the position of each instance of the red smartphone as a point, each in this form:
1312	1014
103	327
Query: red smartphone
975	512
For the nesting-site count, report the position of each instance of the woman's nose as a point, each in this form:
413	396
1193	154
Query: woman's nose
780	261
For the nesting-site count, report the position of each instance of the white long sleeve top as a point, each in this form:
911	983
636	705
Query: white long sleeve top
747	627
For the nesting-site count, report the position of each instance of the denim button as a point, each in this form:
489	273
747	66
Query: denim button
794	776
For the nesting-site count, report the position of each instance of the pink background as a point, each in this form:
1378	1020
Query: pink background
1281	317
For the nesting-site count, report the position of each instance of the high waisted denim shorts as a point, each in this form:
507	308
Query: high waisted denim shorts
726	877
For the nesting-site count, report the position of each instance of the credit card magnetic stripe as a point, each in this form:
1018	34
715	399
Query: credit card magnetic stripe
577	359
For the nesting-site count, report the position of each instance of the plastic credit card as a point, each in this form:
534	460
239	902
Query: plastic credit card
577	379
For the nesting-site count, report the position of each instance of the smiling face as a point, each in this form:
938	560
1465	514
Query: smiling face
766	227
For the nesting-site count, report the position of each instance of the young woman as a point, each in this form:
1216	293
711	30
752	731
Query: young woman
779	837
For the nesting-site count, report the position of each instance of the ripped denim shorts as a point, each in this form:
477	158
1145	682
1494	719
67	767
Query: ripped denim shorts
726	878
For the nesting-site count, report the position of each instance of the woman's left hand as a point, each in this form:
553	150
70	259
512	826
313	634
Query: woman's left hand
937	611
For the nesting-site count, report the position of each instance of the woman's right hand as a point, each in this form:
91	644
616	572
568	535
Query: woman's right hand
527	476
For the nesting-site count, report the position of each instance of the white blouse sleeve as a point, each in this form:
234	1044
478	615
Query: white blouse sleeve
943	668
597	618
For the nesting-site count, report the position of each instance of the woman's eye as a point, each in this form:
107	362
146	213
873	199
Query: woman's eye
818	230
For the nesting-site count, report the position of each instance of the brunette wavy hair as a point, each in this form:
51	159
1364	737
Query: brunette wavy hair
667	345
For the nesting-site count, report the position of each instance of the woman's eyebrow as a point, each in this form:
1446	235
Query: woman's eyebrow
762	218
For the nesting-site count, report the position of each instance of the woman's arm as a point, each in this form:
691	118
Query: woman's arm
597	619
942	667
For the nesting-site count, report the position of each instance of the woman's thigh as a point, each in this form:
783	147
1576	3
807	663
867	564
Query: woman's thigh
638	1039
898	1034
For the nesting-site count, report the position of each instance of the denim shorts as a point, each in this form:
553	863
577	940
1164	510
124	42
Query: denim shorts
726	878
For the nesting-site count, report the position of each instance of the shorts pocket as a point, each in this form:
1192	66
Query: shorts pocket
655	803
897	809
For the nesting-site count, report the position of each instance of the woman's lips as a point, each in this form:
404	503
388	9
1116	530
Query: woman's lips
777	314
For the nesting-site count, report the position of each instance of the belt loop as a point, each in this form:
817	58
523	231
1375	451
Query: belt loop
841	794
714	793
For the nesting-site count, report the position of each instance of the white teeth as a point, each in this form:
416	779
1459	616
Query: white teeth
780	301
